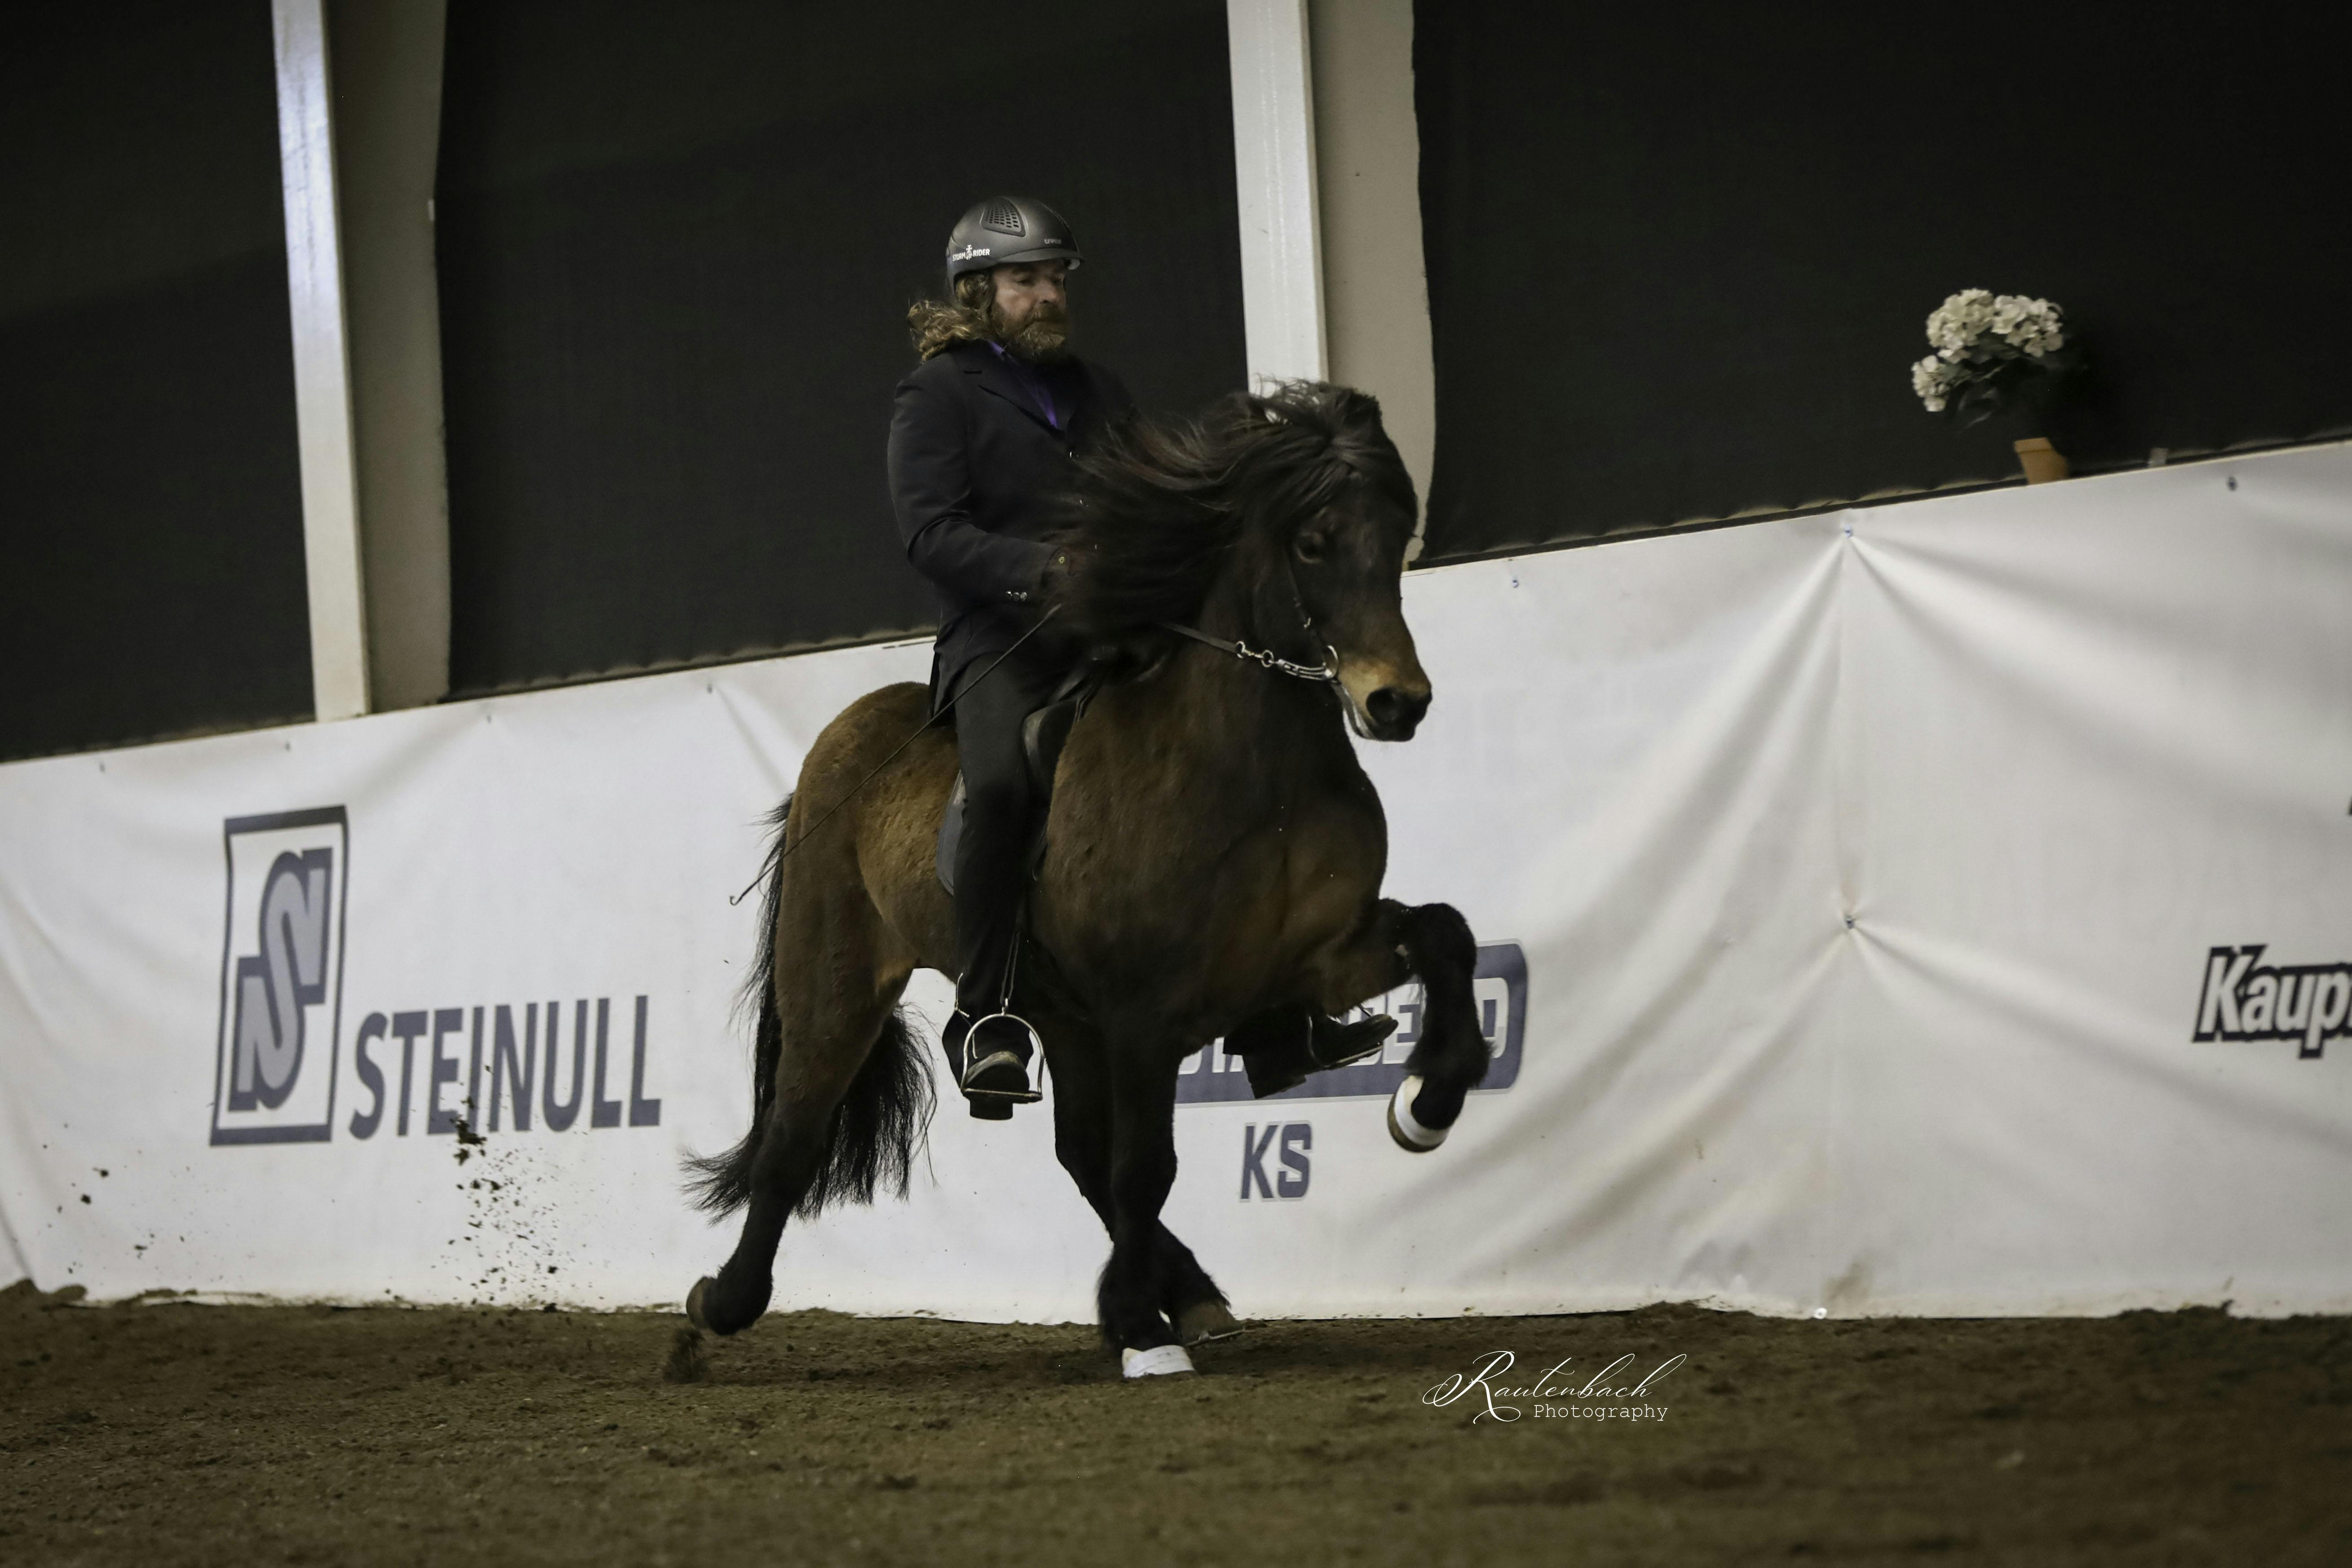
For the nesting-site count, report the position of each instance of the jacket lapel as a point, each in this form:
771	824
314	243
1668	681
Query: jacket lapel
999	380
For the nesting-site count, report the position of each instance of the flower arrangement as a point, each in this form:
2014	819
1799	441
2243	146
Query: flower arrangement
1989	348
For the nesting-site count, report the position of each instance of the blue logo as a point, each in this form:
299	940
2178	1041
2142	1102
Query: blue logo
1500	986
281	977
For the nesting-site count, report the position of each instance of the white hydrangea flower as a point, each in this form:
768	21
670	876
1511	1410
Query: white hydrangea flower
1960	321
1974	331
2030	326
1932	379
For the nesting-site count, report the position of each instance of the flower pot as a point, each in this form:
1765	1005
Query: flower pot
2040	461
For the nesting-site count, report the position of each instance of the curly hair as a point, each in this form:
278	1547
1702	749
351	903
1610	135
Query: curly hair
939	325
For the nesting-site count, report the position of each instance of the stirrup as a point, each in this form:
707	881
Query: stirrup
998	1081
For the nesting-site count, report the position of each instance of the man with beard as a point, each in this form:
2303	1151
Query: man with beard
982	436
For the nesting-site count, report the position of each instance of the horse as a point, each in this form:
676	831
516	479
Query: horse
1212	853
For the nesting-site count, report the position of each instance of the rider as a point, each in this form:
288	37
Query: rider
981	436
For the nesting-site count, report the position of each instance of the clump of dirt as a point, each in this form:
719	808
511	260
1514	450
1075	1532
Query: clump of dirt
25	1297
184	1434
511	1219
689	1360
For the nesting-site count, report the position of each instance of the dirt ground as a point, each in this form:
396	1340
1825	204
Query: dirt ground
166	1434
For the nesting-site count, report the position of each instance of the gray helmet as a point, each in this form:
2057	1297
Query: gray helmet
1002	230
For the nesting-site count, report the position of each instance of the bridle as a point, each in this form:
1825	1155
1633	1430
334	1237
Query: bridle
1324	674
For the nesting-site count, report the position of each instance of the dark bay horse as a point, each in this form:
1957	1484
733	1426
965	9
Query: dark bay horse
1213	851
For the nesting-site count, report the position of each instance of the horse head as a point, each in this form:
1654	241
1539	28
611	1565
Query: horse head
1334	512
1281	517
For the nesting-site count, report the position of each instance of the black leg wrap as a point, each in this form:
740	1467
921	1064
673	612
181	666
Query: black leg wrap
1439	1105
1451	1057
1439	941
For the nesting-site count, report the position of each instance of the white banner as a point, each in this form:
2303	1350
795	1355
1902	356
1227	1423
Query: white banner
1938	908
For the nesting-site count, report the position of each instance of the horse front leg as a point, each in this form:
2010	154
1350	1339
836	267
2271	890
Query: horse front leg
1432	942
1189	1299
1137	1278
1451	1057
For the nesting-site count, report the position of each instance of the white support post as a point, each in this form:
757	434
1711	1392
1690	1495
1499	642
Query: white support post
1274	167
322	378
1368	173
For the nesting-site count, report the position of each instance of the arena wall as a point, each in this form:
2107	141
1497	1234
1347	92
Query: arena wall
1929	908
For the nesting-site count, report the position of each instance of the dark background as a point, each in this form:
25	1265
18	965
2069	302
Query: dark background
1681	256
150	508
1678	263
678	242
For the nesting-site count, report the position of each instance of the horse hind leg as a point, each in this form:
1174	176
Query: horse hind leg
829	1136
846	1101
1189	1298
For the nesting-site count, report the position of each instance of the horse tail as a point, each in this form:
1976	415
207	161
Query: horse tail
873	1131
877	1125
722	1184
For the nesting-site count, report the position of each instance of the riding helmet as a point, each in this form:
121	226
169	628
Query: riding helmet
1002	230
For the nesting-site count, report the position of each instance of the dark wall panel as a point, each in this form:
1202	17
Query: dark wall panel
677	247
1680	257
151	582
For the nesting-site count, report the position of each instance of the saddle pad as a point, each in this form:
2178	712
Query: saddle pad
950	835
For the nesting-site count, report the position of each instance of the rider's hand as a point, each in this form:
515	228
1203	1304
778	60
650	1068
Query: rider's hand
1060	567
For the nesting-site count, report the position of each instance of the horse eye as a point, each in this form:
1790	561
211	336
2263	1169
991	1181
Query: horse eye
1309	547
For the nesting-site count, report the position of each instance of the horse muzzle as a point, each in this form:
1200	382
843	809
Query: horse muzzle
1384	706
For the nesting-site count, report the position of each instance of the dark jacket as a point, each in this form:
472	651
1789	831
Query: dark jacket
973	462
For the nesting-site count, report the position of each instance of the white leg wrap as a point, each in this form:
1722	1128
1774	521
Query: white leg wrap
1159	1361
1411	1135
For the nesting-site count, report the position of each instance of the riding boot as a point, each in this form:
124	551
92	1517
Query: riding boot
991	1064
989	1045
1281	1046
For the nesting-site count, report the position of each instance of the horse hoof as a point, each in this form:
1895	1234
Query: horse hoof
722	1306
1205	1320
1161	1361
1411	1136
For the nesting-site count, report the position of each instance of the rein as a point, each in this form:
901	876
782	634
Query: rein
1324	674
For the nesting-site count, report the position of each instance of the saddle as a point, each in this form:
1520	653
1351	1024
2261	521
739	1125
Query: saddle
1043	735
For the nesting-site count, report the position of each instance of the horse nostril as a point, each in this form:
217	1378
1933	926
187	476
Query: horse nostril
1395	707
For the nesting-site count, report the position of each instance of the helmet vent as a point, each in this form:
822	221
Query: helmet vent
1004	216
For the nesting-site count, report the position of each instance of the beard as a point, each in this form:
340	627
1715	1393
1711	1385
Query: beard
1042	339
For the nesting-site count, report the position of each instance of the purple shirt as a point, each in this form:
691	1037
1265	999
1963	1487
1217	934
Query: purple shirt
1034	383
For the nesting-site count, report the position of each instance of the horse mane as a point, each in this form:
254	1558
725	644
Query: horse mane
1162	503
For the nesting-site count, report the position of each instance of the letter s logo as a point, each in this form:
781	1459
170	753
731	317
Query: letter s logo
287	975
1297	1140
